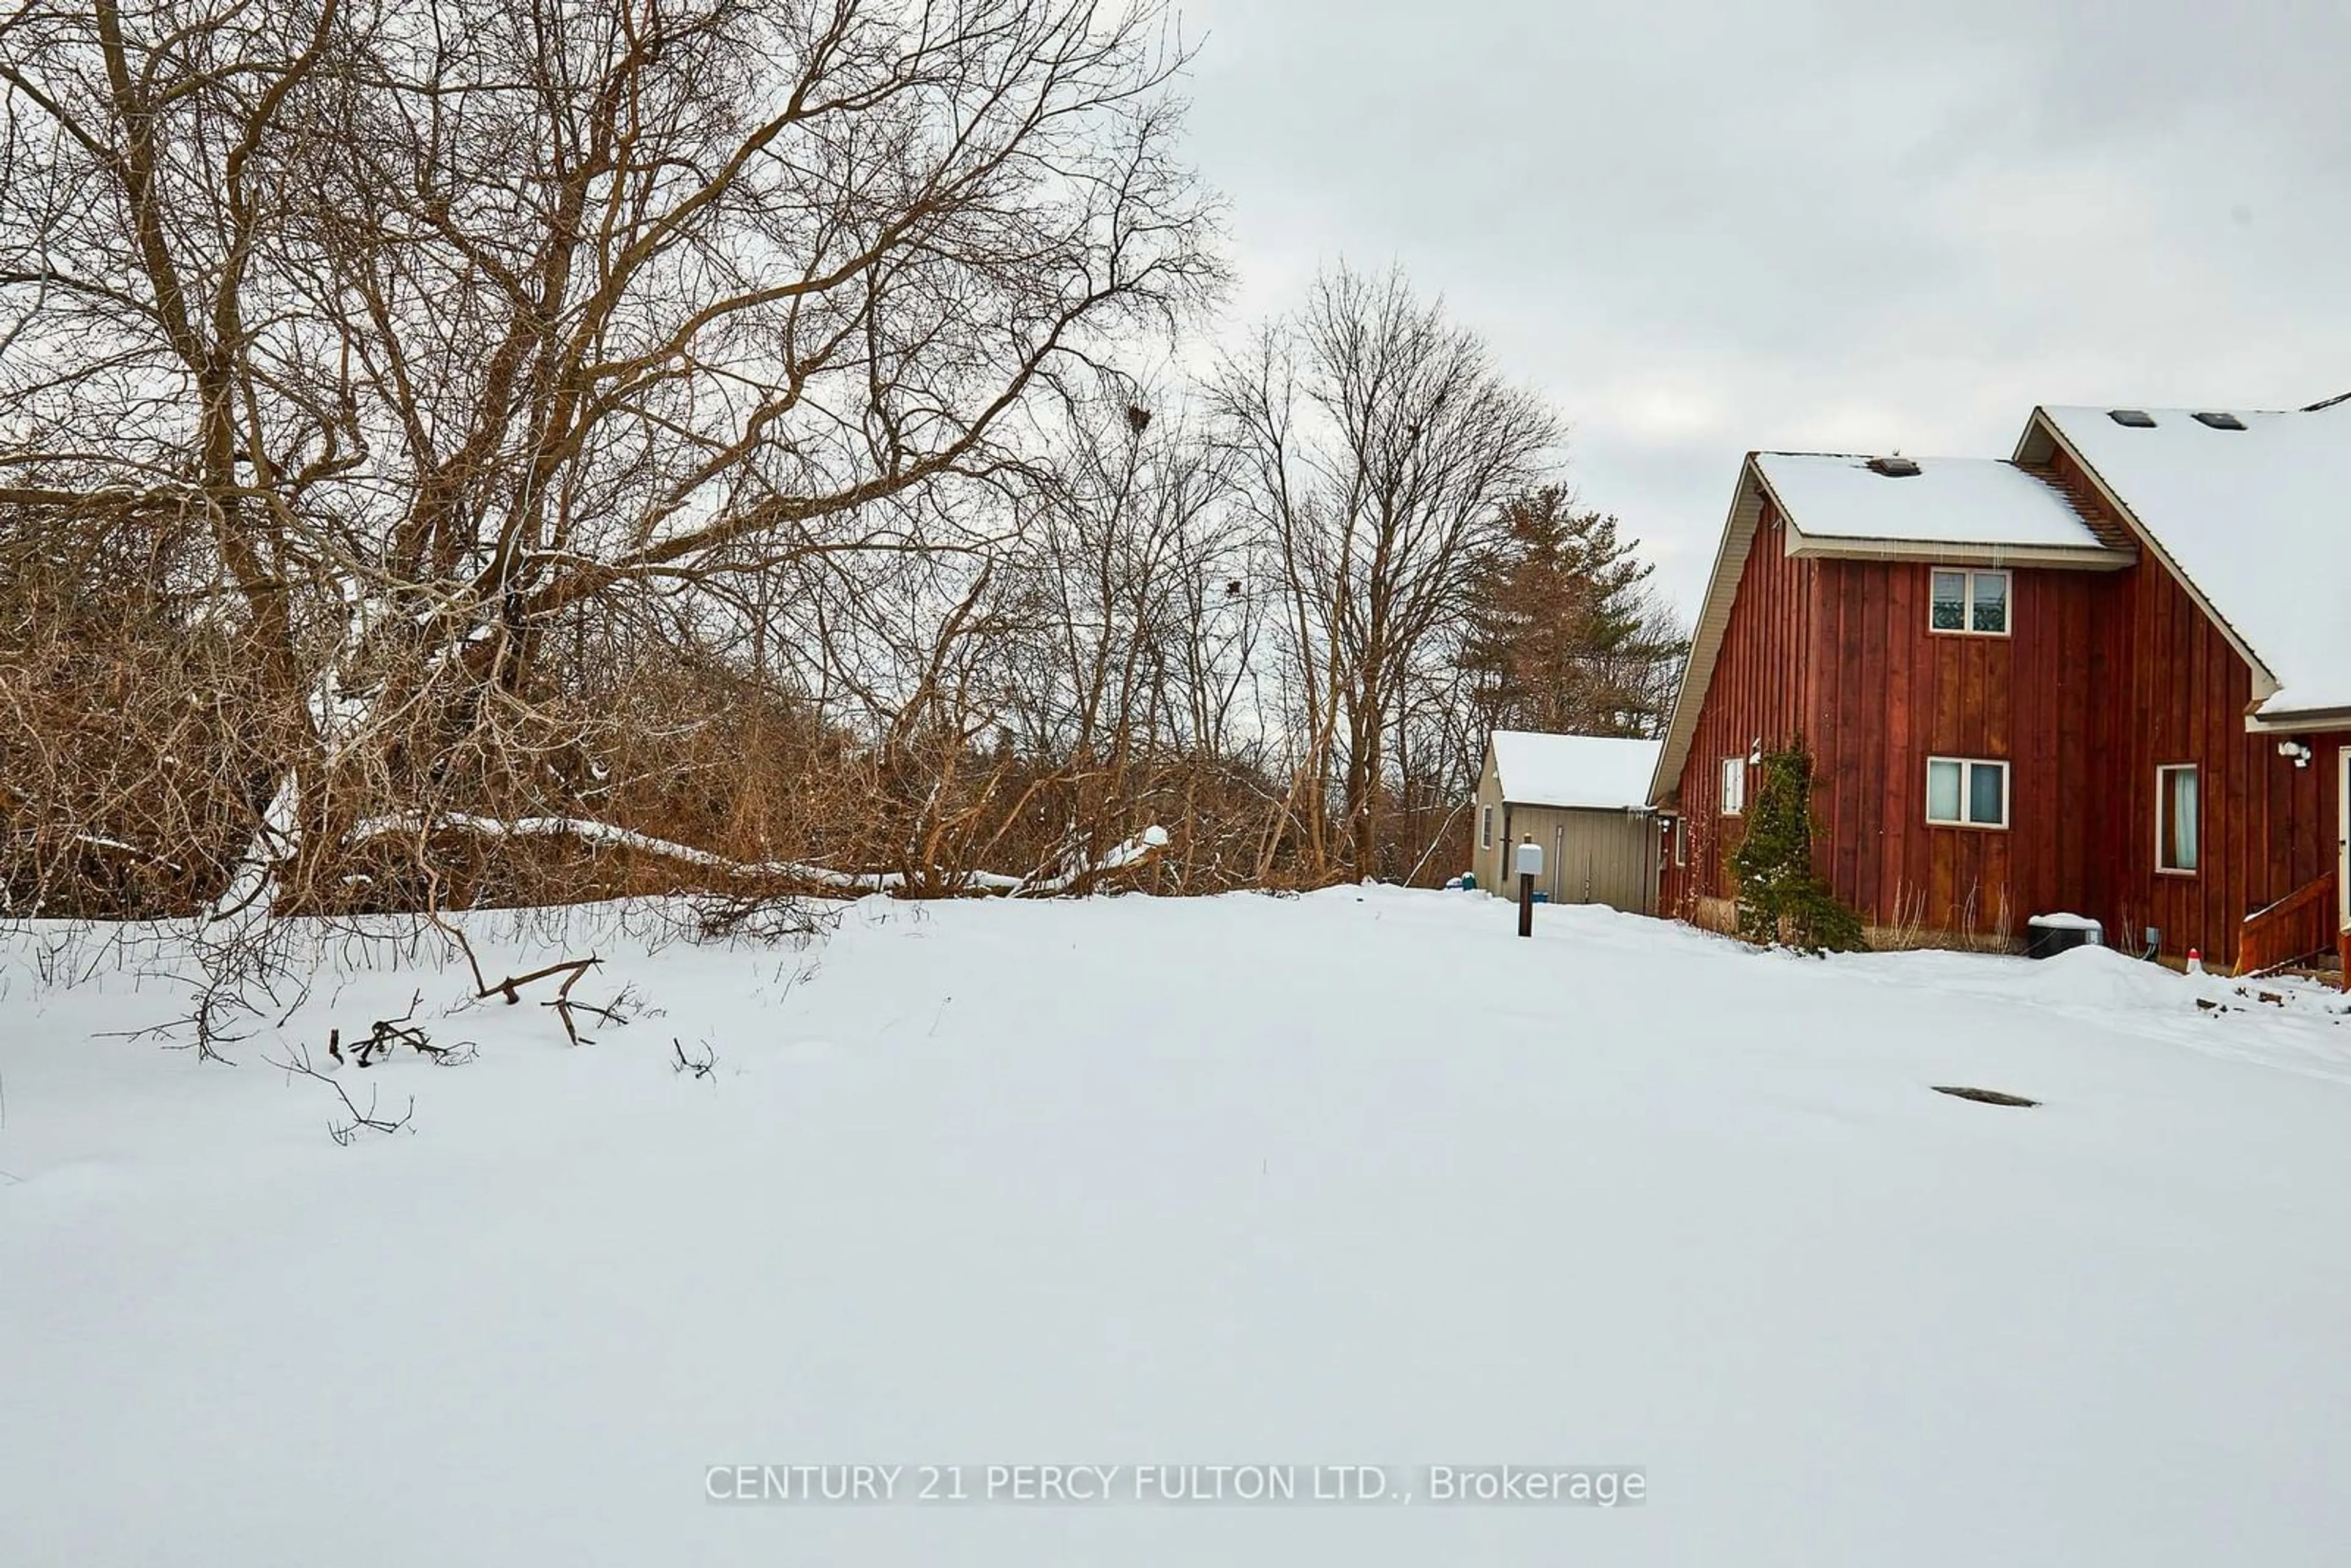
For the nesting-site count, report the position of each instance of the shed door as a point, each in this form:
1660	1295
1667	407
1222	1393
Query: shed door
2343	844
1603	857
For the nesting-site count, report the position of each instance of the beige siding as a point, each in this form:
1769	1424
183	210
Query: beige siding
1489	832
1593	857
1589	857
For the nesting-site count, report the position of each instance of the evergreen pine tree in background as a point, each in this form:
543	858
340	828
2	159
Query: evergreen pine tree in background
1564	633
1781	899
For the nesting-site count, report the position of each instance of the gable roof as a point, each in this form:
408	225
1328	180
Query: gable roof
1978	502
1595	772
1965	511
2256	523
1705	637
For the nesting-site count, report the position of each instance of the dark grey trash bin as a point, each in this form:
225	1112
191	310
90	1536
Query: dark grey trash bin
2046	935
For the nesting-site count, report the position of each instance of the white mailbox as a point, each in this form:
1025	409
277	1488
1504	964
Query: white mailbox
1530	859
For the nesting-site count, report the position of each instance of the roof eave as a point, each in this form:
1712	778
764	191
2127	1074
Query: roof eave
1706	638
2299	721
1977	552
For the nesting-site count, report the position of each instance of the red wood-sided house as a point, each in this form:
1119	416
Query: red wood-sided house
2109	675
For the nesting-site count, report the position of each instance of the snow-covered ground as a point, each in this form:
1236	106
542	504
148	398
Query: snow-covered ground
1352	1179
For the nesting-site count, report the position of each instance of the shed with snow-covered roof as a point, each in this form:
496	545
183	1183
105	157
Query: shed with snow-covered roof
1584	799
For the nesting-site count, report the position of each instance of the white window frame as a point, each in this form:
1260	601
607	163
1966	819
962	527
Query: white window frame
1967	627
1485	827
2163	773
1682	842
1733	785
1968	793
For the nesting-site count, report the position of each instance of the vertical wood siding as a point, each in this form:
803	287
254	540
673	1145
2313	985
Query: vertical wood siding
2103	677
1891	693
2172	689
1757	691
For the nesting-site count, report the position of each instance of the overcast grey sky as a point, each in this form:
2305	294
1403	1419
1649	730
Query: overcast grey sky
1703	229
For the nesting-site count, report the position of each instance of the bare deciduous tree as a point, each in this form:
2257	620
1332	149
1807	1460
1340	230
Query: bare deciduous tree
1382	441
474	451
447	327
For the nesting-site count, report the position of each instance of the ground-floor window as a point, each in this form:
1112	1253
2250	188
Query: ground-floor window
1966	792
2175	819
1486	827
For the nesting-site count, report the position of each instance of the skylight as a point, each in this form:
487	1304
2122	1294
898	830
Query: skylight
1894	468
2137	418
2220	421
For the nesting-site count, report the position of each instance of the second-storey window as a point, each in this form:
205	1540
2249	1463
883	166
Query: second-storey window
1734	786
1962	792
1970	601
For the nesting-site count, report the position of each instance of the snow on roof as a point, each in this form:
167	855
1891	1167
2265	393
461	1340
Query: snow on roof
1951	500
1594	771
2258	520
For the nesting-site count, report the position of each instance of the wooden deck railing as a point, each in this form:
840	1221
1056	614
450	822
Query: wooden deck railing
2302	925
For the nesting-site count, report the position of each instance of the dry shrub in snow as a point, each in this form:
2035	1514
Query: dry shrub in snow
477	453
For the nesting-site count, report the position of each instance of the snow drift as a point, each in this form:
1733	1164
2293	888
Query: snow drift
1357	1179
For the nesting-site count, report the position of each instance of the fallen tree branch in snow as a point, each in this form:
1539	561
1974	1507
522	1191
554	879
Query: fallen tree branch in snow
511	987
704	1068
588	830
563	1004
611	1012
390	1032
570	969
298	1063
252	887
122	846
1133	852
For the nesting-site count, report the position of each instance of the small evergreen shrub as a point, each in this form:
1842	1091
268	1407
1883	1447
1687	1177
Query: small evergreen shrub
1781	899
